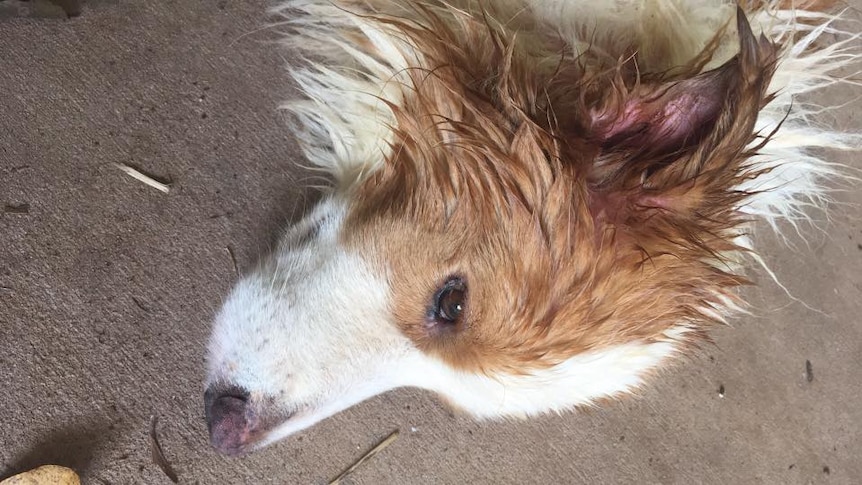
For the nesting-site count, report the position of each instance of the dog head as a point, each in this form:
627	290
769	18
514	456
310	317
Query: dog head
537	230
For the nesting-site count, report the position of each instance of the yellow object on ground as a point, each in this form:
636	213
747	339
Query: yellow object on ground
45	475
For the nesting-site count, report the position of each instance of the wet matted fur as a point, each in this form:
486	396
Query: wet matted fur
581	176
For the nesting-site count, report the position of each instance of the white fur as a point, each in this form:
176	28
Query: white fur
312	328
578	381
311	324
799	178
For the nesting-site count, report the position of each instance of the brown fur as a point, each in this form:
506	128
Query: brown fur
502	172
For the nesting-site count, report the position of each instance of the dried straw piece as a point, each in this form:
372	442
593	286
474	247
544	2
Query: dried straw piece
367	456
137	175
158	454
232	259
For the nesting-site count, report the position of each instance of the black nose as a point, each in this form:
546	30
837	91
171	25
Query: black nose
228	418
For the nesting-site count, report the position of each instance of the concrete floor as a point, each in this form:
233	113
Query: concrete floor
107	288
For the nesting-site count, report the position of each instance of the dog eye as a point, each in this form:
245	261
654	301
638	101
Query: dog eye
450	302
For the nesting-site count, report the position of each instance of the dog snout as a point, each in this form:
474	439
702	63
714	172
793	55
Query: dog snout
230	419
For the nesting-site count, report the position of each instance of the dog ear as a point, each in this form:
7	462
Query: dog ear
660	141
656	119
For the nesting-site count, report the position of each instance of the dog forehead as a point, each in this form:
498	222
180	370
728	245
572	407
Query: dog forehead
310	298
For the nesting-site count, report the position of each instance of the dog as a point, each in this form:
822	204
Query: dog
535	204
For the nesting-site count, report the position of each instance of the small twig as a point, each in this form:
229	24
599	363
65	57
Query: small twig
367	456
23	208
137	175
232	259
140	305
158	455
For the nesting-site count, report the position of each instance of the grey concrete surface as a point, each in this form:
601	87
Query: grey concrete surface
107	288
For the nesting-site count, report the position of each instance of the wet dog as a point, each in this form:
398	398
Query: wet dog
536	204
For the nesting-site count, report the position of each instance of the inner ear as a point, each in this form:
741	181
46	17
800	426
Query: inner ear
676	145
663	118
652	115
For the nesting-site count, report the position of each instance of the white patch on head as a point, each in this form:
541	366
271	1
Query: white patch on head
577	381
309	331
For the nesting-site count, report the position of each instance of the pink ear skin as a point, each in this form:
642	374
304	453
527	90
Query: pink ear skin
671	116
663	119
673	146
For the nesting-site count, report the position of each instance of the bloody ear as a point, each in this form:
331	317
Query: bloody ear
672	117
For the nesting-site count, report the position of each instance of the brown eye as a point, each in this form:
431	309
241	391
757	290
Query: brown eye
450	302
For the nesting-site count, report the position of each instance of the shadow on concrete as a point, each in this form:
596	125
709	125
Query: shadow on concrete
72	446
